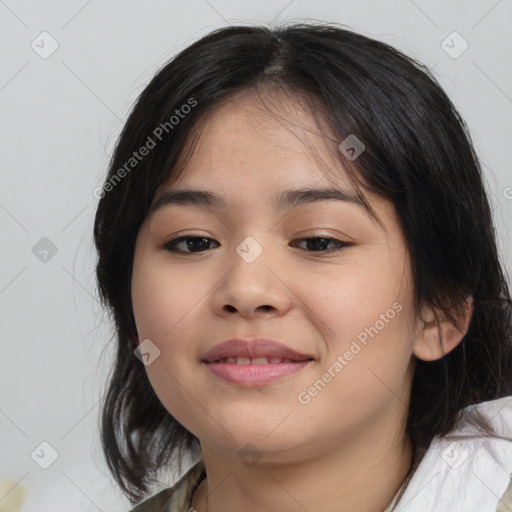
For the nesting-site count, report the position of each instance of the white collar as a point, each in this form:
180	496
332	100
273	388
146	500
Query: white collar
465	475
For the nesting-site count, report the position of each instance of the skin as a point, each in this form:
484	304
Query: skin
346	448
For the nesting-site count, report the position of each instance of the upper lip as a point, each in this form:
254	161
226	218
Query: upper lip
255	347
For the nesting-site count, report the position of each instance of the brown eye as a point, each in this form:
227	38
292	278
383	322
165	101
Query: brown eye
188	244
319	243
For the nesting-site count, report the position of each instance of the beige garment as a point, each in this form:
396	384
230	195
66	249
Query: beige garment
178	498
505	503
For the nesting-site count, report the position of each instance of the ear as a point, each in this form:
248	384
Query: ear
438	334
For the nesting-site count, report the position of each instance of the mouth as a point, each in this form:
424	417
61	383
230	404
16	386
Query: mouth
257	360
254	362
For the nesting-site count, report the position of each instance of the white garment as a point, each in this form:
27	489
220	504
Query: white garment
465	475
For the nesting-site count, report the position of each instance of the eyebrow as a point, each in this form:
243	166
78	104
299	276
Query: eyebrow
286	199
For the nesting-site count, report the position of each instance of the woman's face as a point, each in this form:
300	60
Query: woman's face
262	268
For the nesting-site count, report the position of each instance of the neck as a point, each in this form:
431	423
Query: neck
360	474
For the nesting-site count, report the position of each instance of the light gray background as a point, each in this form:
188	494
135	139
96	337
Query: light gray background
60	118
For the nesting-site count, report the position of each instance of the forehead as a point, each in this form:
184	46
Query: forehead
262	142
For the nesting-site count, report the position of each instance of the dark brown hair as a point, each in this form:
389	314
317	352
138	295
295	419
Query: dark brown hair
418	154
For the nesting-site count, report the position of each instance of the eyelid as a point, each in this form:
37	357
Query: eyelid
187	234
338	235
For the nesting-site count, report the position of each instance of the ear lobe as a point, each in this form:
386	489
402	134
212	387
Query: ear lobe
438	334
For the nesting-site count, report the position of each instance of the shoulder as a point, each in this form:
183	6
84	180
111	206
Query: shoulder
467	471
177	497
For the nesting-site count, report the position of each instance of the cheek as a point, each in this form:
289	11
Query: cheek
162	300
165	305
355	297
365	323
365	316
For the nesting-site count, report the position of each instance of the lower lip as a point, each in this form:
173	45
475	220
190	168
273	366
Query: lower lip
254	374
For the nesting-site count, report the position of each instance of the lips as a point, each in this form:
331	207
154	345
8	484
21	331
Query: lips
254	362
254	351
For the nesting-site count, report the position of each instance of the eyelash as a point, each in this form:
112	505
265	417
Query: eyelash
171	244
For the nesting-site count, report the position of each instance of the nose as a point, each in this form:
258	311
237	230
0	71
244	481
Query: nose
258	287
